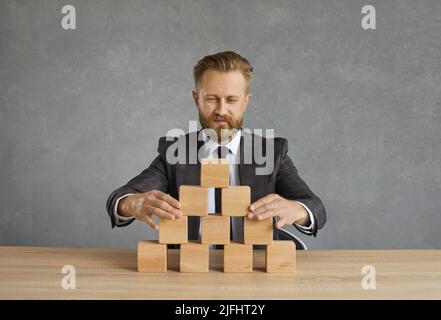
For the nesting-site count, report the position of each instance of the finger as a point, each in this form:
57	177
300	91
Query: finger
160	213
262	201
281	223
171	201
168	198
269	206
161	204
267	214
151	223
274	205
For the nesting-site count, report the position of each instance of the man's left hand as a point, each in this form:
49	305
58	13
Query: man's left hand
273	205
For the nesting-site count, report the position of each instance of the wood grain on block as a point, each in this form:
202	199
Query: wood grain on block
215	229
193	200
152	256
173	231
238	257
258	232
215	173
280	256
236	200
194	257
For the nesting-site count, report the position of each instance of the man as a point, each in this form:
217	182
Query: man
221	97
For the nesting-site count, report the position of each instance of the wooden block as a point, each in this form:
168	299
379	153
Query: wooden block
194	257
215	229
280	256
236	200
258	232
152	256
173	231
193	200
215	173
238	257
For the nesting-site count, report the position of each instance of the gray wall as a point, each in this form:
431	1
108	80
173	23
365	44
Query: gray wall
81	110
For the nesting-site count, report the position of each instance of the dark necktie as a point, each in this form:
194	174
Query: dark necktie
221	153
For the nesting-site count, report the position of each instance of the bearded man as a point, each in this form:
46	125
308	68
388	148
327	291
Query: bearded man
221	95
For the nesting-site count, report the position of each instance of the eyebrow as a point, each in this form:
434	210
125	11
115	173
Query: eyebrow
216	96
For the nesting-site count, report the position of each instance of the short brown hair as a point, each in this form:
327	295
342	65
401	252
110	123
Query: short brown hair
223	61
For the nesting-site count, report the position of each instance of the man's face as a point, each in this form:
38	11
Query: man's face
221	100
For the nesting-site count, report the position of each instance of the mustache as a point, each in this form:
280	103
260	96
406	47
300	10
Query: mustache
221	118
209	121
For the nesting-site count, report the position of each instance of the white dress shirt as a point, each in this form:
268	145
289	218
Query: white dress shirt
209	150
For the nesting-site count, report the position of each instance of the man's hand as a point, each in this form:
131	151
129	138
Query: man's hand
273	205
143	205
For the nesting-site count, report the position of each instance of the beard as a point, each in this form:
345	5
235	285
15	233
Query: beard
231	126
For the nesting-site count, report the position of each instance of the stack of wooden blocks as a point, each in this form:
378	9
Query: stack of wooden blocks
280	256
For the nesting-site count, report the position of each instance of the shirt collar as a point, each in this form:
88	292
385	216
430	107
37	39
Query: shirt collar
233	145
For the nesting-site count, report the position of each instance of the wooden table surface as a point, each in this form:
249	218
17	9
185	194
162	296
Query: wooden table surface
35	273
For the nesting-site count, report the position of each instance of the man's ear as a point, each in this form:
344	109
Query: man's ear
247	100
195	98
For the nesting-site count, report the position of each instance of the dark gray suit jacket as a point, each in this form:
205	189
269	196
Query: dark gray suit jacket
284	180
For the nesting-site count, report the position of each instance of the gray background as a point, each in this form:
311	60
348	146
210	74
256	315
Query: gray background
81	110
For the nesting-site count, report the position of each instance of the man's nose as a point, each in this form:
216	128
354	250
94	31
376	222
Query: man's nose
222	108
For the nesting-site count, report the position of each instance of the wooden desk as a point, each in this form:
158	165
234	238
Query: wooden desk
35	273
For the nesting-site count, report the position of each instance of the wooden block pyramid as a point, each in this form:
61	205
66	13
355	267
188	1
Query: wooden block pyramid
280	256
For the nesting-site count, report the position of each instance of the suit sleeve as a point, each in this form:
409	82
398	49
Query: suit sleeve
291	186
154	177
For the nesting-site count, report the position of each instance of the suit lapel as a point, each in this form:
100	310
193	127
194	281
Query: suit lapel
186	173
190	174
246	171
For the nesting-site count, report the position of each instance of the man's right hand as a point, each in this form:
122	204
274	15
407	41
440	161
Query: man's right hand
143	206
